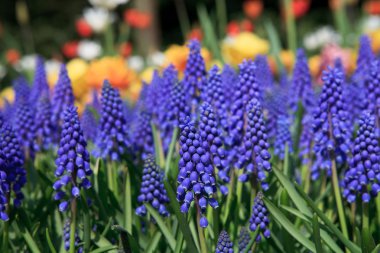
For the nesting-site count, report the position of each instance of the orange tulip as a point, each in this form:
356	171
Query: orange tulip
12	56
195	33
372	7
253	8
233	28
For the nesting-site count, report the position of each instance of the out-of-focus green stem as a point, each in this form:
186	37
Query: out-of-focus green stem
73	225
341	21
338	199
378	209
183	18
290	26
109	40
127	202
222	16
201	235
171	151
229	197
365	228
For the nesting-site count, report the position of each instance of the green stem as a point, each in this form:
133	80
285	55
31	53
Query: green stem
73	225
128	203
183	18
290	26
201	235
338	199
229	197
365	228
341	21
110	177
222	16
109	41
169	157
378	209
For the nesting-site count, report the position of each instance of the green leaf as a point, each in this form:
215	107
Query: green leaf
350	245
128	202
171	151
316	234
377	249
182	222
252	241
178	247
105	249
161	224
48	239
274	42
154	242
27	237
288	225
160	159
127	240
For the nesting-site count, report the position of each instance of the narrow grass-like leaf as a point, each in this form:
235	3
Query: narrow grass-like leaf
178	247
252	241
128	202
317	235
27	236
288	225
50	243
274	42
171	151
161	224
350	245
127	240
154	242
182	222
158	150
377	249
105	249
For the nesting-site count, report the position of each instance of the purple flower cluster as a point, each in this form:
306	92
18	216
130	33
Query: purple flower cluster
143	135
224	244
179	104
112	140
283	138
73	161
195	71
12	173
196	180
306	138
244	239
255	155
332	137
22	89
363	176
89	124
259	219
212	141
66	237
40	83
63	98
43	123
152	189
301	87
230	83
373	88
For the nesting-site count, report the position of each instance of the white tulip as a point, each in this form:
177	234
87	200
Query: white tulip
89	50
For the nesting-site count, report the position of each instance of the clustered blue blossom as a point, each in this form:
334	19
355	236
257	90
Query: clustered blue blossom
73	161
215	96
331	134
152	189
255	156
373	88
196	180
25	128
230	82
63	98
212	141
143	135
89	124
283	138
43	123
244	239
301	86
112	140
195	71
179	104
66	237
363	176
306	138
224	244
276	104
266	76
40	83
259	219
12	172
22	89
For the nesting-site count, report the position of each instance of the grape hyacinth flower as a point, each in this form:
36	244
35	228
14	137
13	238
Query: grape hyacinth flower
22	89
112	140
195	71
152	189
73	161
332	138
214	94
66	237
25	128
212	141
143	135
230	83
255	155
248	89
301	86
43	124
265	72
306	138
244	239
196	180
363	176
224	244
4	189
373	89
283	138
259	219
276	104
40	83
12	173
89	125
179	104
63	98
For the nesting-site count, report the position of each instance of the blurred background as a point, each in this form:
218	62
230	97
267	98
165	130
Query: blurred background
124	40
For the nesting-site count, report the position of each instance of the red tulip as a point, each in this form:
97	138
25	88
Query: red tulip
12	56
83	28
70	49
137	19
253	8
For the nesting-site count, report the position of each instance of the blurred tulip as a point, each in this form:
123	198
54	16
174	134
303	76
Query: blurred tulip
7	94
77	69
137	19
300	7
97	18
83	28
372	7
89	50
12	56
125	49
233	28
70	49
195	33
253	8
107	4
246	25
